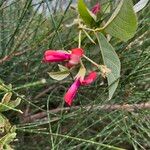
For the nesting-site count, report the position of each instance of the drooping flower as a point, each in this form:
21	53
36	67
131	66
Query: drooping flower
90	78
56	56
96	9
73	58
72	91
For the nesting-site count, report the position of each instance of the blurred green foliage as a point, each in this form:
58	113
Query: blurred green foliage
24	36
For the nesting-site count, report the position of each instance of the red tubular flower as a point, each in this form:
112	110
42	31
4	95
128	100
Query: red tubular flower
96	9
56	56
73	58
90	78
71	93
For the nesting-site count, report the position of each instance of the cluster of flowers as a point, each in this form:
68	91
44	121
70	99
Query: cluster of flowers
71	59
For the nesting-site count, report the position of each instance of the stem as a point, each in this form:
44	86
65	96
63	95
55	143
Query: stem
105	107
84	28
88	29
89	37
93	62
98	30
79	44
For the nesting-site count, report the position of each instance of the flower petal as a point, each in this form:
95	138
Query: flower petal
76	55
55	56
90	78
77	51
71	93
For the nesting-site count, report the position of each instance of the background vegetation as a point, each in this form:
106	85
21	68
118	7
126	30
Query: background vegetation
46	122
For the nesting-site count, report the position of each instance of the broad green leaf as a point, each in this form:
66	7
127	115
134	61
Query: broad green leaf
10	105
111	60
60	75
2	121
9	137
62	68
4	124
14	103
6	98
85	14
140	5
106	7
123	22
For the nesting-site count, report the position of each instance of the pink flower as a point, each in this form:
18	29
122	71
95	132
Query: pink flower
96	9
56	56
90	78
71	93
73	58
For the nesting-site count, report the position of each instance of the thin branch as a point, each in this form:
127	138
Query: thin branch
125	107
44	92
10	56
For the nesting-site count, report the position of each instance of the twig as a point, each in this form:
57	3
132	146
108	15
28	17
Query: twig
44	92
32	118
10	56
125	107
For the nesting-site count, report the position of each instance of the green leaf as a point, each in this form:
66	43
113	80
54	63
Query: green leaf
60	75
13	129
10	105
111	60
4	124
2	121
6	98
106	8
85	14
7	139
2	87
14	103
123	22
62	68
